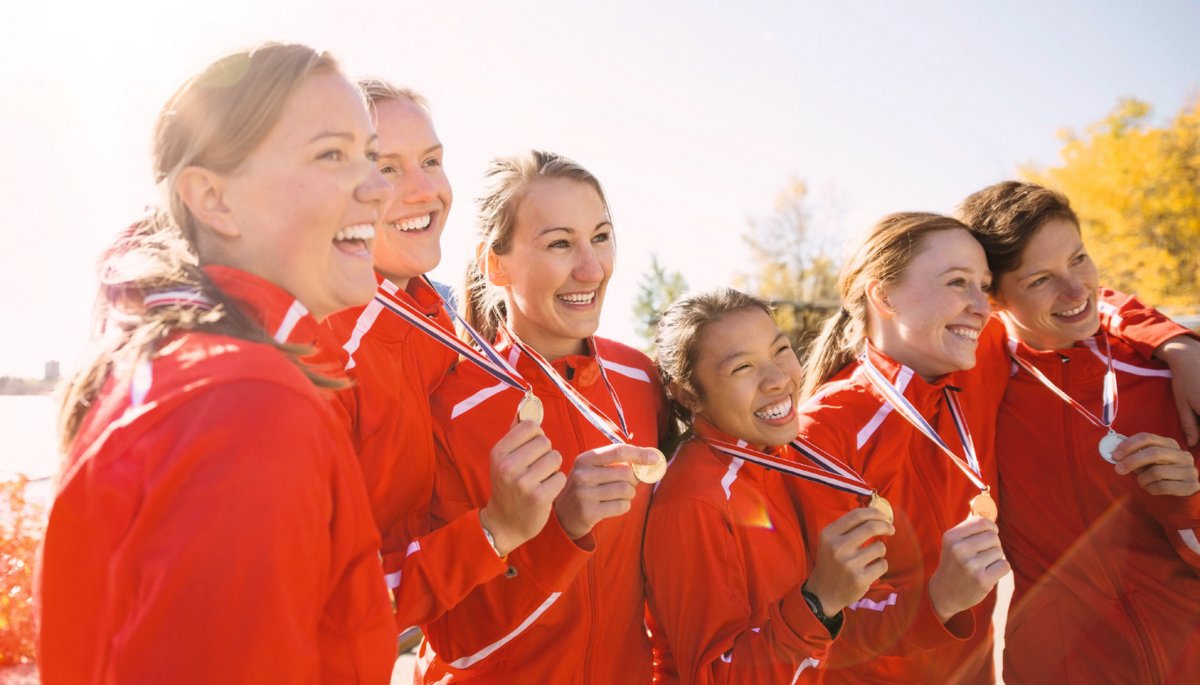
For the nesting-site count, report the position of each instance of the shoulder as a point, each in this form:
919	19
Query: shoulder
468	391
840	412
622	360
697	474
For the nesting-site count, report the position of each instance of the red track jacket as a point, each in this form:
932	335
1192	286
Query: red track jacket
1107	576
724	557
210	524
565	611
395	368
893	633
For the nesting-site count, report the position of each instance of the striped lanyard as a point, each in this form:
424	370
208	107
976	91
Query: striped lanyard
485	357
829	471
617	434
900	403
1108	413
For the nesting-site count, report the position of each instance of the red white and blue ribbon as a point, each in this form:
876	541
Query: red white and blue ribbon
842	479
485	357
900	403
616	434
1108	413
181	298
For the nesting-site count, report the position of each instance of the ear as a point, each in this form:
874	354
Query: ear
493	269
202	190
684	396
877	299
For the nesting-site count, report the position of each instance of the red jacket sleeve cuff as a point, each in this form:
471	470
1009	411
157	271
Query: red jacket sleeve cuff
552	558
928	632
810	636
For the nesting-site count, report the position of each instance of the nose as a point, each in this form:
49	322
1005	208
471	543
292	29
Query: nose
1074	289
774	377
415	187
588	268
374	189
981	305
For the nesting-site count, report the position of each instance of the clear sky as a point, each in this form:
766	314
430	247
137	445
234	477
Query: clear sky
693	114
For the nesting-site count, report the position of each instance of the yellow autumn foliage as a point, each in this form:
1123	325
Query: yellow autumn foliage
1136	188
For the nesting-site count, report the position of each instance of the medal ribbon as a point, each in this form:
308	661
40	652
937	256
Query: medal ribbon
848	482
166	298
905	408
616	434
1108	413
486	357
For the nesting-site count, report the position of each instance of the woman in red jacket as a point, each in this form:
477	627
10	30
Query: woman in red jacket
210	524
1110	593
733	596
396	363
888	397
570	607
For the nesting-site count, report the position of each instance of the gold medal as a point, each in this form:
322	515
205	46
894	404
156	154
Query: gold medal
878	503
530	409
1109	444
651	473
983	505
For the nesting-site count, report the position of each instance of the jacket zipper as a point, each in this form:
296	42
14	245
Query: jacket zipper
1150	665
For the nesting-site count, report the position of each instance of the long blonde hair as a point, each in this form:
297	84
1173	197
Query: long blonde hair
215	120
884	255
508	180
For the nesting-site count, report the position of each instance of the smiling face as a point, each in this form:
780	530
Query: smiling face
930	319
300	210
557	267
1051	295
747	378
410	158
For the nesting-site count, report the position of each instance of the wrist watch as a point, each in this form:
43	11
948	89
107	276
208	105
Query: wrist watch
490	538
832	624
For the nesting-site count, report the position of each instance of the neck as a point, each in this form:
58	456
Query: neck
549	348
400	280
900	354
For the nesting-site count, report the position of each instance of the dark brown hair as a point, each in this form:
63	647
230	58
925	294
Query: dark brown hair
1005	216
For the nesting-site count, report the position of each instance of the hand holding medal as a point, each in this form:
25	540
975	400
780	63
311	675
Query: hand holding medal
1158	464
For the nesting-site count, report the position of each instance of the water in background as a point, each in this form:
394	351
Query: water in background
27	441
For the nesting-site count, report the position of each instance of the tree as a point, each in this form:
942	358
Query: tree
790	268
657	289
1136	189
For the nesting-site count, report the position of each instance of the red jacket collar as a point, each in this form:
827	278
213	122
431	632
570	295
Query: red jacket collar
581	370
281	315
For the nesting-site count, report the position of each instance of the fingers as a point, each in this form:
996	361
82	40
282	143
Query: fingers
972	525
1170	479
1187	415
853	518
520	434
1140	441
866	530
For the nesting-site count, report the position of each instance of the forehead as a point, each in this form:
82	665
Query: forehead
402	122
561	202
942	250
742	331
324	102
1054	240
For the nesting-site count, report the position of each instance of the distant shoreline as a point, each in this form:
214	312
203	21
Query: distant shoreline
26	386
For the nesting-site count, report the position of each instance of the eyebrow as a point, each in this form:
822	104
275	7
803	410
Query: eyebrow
1020	275
724	361
431	150
342	134
568	229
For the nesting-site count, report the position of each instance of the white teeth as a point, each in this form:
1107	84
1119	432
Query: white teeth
775	411
578	298
964	332
1073	312
357	232
416	223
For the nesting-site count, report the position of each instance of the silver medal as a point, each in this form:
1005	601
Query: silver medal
1109	444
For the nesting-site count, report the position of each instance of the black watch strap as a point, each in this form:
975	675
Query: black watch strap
832	623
